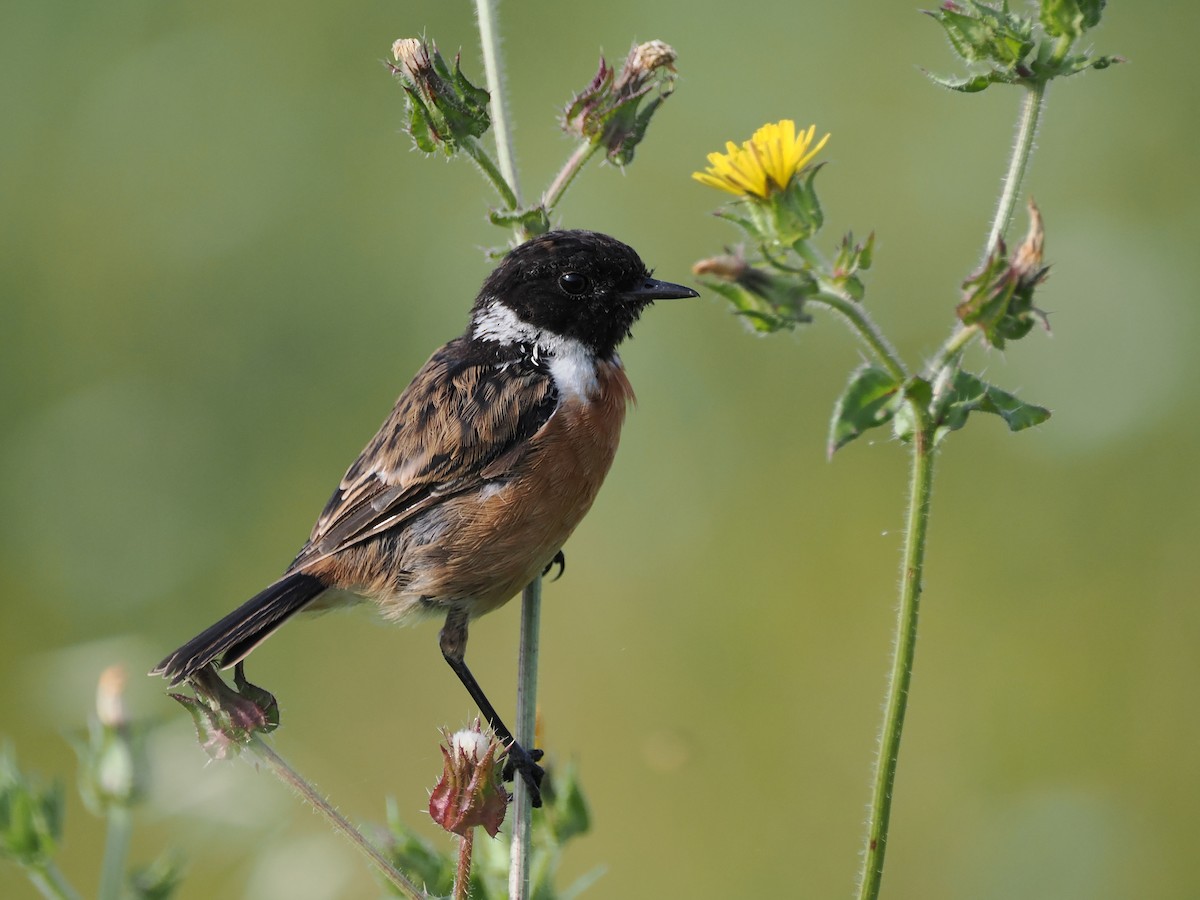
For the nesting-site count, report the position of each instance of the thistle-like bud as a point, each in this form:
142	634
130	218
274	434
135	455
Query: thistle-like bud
112	759
1070	18
610	111
444	108
227	718
768	300
469	793
999	297
31	814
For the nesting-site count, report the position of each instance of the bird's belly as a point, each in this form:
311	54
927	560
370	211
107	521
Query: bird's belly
475	551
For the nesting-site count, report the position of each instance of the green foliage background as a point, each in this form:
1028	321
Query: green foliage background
219	263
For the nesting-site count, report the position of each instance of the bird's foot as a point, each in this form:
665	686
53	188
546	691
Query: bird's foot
525	762
559	560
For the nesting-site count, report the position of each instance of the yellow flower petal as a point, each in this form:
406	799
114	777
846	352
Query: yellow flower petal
764	164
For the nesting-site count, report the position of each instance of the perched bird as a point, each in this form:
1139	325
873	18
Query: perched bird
487	462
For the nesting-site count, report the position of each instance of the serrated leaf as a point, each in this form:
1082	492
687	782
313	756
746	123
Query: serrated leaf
971	85
969	394
867	402
533	221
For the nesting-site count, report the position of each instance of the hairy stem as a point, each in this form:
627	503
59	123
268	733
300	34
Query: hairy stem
567	174
489	41
864	326
527	664
116	850
462	875
51	884
1027	124
294	780
493	174
916	530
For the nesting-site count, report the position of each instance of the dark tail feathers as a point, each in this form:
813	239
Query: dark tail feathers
243	629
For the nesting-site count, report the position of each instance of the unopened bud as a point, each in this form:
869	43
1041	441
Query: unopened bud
110	697
444	108
469	793
227	718
998	299
610	111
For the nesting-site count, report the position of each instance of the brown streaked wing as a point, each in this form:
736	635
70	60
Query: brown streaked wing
458	424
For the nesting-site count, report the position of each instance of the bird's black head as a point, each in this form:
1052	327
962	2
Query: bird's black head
580	285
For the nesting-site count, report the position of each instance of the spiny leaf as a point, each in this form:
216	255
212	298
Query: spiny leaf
868	401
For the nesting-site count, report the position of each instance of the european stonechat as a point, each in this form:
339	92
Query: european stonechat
487	462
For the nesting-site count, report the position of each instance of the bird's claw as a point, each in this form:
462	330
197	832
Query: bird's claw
559	560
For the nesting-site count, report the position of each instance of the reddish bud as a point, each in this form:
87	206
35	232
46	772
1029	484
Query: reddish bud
469	793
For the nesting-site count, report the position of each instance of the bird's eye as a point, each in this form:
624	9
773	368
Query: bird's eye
573	283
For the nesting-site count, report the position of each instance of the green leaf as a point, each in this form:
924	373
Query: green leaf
567	814
969	394
868	401
158	880
533	221
1070	18
971	85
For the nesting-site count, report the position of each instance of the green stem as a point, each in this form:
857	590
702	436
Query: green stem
486	165
1031	112
489	41
116	851
527	665
862	323
567	174
916	530
296	782
51	883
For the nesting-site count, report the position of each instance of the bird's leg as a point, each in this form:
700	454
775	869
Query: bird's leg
453	640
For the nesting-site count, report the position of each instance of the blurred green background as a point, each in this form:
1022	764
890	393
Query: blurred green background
221	262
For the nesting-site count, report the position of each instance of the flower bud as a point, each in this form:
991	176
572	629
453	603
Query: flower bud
112	759
444	108
31	814
226	718
999	297
768	300
609	111
469	793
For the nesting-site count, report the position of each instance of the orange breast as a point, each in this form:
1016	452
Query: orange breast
495	543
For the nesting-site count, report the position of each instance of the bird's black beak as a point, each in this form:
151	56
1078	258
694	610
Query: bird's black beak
651	289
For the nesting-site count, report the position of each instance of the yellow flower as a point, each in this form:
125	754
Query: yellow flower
765	163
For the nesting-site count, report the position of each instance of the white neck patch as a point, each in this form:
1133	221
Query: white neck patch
572	365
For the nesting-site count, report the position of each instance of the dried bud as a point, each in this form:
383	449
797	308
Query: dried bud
469	793
444	108
768	300
226	718
999	297
609	111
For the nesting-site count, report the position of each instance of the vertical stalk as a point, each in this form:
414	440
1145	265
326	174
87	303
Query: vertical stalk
462	875
916	530
116	849
489	40
527	663
1031	113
